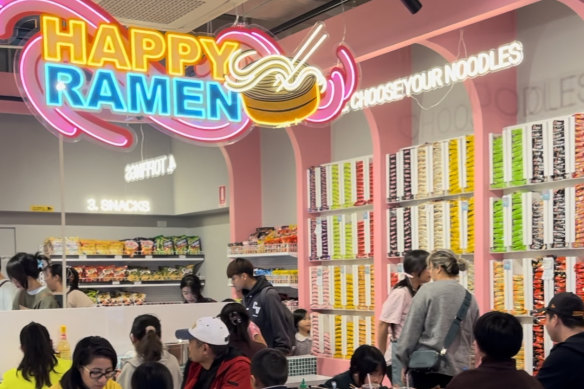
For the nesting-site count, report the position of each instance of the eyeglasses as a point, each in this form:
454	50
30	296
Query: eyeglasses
97	374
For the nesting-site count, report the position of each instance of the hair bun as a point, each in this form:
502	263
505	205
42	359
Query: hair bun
461	264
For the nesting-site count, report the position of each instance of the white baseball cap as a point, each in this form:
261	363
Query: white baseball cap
207	329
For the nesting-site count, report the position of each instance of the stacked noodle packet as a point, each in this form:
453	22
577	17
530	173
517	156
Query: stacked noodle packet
347	185
349	335
439	239
407	229
453	167
312	189
455	227
537	218
337	278
326	297
470	165
497	161
579	270
498	287
407	154
392	179
423	228
517	222
335	190
323	189
361	286
579	216
559	150
537	159
471	226
438	170
336	237
579	144
559	275
392	221
470	270
518	176
338	337
422	173
518	295
349	241
360	182
371	175
559	224
314	303
498	226
538	303
350	290
520	358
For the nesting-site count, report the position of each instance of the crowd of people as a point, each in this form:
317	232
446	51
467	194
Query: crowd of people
425	340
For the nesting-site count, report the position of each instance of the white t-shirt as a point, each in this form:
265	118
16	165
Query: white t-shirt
394	311
7	293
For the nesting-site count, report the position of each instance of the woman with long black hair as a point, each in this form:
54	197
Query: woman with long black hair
39	367
94	366
396	307
236	318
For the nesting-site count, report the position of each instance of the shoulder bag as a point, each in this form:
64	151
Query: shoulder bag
429	360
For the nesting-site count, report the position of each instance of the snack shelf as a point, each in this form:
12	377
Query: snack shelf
120	285
278	254
367	207
366	312
135	258
342	261
543	185
445	196
292	286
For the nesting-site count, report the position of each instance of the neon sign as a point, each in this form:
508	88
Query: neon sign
164	165
84	73
503	57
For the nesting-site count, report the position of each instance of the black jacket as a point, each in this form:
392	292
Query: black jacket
563	368
266	310
494	374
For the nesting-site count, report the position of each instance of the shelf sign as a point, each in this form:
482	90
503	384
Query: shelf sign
504	57
115	206
85	73
150	168
42	208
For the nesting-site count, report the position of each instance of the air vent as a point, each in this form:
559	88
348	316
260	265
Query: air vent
168	15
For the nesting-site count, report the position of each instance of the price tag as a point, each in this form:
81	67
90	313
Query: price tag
138	283
148	257
83	256
118	257
464	205
182	256
115	282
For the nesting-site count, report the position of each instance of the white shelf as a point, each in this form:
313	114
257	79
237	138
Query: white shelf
127	259
430	198
293	286
344	311
359	208
132	285
262	255
543	185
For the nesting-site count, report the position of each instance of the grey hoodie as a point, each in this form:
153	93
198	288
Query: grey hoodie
167	360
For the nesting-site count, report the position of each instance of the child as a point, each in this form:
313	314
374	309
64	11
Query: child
303	340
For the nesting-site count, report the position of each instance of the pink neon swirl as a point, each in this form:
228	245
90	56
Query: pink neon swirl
342	83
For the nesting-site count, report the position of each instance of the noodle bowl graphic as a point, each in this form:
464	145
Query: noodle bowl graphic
276	90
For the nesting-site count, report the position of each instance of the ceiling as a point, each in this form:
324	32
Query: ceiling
282	17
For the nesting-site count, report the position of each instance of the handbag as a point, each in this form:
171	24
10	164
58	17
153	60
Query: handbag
429	360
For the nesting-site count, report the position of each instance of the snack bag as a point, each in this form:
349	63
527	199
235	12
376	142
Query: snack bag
133	274
194	245
147	246
180	245
130	247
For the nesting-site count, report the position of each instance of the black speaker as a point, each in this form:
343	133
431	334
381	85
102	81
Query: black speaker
412	5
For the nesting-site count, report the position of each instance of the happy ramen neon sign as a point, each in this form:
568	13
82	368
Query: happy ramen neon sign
84	73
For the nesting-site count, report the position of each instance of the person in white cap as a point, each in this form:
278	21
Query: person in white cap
214	364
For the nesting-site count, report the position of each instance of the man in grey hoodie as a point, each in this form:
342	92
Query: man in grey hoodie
264	305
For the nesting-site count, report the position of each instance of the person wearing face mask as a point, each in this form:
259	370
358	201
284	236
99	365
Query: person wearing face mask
434	310
396	307
94	366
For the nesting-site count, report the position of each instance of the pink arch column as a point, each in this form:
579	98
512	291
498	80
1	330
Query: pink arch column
493	99
312	146
243	161
390	127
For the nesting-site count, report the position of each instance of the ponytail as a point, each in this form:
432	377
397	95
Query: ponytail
149	348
